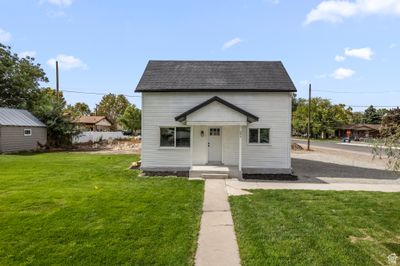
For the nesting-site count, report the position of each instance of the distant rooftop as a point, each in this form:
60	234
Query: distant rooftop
254	76
18	117
89	119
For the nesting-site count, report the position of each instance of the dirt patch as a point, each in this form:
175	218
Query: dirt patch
354	239
166	173
116	146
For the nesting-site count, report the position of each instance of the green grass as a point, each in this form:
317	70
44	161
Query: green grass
284	227
88	209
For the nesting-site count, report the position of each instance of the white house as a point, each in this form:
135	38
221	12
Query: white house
216	118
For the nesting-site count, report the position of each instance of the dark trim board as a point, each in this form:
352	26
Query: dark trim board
250	117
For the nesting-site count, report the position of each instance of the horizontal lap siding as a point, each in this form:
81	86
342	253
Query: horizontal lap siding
273	110
13	139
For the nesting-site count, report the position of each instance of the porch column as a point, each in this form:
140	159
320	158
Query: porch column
240	148
191	145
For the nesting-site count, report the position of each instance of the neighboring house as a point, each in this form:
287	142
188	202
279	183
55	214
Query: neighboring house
199	114
20	131
93	123
359	131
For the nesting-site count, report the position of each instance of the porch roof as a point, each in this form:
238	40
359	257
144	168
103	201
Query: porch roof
247	116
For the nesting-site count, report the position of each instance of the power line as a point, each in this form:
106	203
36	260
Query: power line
98	93
358	92
379	106
138	96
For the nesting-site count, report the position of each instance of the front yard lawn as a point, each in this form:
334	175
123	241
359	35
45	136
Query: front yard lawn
86	209
284	227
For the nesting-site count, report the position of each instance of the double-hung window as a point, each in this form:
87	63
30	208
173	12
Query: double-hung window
178	137
258	135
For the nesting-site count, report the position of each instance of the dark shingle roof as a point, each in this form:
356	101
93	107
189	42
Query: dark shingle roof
250	117
255	76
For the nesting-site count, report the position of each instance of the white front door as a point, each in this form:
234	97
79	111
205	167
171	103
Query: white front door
214	145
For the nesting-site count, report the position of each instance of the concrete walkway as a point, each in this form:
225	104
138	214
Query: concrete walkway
217	241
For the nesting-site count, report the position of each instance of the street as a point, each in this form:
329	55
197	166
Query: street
335	145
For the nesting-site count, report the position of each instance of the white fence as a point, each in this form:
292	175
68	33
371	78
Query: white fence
95	136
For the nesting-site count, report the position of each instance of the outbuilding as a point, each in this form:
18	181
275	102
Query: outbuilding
20	131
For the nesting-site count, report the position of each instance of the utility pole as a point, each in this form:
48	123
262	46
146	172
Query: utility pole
309	117
57	82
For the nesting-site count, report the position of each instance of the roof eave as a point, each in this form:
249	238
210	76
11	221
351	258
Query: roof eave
213	90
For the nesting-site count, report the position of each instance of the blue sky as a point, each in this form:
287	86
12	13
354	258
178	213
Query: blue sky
103	46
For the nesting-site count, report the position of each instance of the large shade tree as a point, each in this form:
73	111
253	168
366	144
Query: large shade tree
78	109
325	117
112	106
19	80
131	118
50	110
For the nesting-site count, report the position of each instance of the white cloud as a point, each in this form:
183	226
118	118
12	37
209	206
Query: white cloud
60	3
393	45
340	58
275	2
336	11
231	43
321	76
363	53
342	73
66	62
4	36
27	53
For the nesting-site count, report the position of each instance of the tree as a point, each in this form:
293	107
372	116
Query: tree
373	116
19	80
131	119
49	110
389	144
357	118
325	117
112	106
295	102
52	93
78	109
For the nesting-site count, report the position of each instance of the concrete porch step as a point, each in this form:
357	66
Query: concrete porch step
215	176
214	171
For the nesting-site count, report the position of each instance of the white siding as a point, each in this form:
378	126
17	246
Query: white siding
273	110
230	145
216	113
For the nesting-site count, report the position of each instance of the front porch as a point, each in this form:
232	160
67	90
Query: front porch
215	171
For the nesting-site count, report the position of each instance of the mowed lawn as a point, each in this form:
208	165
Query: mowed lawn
284	227
88	209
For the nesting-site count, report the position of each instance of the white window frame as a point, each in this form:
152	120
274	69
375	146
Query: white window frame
172	147
28	134
258	142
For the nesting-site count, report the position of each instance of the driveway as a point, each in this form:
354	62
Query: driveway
315	169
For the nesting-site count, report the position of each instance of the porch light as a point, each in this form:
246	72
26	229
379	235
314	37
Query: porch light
202	133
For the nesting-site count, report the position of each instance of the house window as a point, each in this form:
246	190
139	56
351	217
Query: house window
27	132
258	135
215	131
175	137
